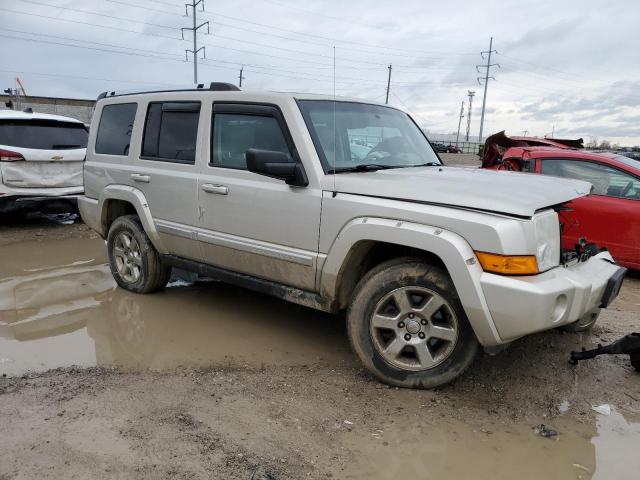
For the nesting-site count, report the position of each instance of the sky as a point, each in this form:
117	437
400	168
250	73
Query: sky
568	68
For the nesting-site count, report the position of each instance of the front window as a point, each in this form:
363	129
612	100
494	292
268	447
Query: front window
353	136
606	180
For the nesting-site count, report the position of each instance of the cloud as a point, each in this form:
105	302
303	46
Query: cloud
571	63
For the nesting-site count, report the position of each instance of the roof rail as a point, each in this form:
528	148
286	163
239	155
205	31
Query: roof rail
213	86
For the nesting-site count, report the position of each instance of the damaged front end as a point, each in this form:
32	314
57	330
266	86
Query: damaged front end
497	144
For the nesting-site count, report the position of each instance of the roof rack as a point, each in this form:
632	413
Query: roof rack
213	86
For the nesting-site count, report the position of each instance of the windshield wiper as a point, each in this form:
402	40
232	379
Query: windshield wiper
428	164
363	167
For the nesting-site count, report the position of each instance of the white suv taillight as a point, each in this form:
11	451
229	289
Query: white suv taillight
9	156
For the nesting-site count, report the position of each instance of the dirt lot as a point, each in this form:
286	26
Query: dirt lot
206	380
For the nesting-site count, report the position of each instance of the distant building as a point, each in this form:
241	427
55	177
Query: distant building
80	109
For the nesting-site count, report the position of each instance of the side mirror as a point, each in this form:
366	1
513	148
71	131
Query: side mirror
276	165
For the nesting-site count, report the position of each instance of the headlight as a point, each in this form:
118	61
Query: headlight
547	240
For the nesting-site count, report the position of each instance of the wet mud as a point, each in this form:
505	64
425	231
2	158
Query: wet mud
206	380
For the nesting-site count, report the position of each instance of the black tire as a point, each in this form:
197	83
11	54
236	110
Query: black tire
153	274
377	285
583	324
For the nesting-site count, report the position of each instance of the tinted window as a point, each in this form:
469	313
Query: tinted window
606	180
170	131
234	134
114	131
43	134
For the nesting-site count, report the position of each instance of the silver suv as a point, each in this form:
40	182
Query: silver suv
343	206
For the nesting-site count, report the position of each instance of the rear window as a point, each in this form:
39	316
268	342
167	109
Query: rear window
114	130
170	132
43	134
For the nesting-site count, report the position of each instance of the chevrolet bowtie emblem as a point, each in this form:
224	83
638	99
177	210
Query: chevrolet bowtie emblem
57	157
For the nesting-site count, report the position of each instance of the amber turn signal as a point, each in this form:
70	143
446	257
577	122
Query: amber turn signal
508	264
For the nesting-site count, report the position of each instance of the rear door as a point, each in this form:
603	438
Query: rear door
610	216
42	153
165	170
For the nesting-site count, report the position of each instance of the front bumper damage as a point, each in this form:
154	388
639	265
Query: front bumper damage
523	305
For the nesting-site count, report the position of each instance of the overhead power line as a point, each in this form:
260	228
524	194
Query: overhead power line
98	14
328	40
115	80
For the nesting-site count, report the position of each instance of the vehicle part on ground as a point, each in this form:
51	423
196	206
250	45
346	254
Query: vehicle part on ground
134	262
627	345
407	325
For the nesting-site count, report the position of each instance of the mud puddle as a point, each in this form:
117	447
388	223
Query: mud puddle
598	447
59	307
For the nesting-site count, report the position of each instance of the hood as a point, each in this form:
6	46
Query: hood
498	143
510	193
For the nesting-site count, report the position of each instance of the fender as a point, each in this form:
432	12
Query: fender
455	252
136	198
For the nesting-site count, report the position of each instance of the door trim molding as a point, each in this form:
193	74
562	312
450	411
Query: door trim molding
243	244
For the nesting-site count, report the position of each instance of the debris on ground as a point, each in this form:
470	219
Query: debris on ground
604	409
545	431
261	474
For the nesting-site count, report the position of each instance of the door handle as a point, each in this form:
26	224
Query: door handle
217	189
137	177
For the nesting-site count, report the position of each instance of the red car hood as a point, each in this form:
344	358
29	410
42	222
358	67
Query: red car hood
498	143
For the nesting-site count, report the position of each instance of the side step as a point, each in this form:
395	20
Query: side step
285	292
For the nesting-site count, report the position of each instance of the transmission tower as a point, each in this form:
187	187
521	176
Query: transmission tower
487	76
470	93
195	29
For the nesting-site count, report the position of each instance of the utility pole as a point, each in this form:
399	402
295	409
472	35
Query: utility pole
240	77
524	133
388	83
470	93
460	121
194	29
487	70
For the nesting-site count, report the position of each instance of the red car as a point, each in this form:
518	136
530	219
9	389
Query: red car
609	217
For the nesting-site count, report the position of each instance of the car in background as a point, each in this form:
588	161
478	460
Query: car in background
442	148
41	160
609	216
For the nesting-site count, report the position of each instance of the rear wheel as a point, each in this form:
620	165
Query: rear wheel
408	327
134	261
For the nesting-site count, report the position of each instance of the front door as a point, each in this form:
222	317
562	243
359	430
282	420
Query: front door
607	217
251	223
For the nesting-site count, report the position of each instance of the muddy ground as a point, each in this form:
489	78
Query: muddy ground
205	380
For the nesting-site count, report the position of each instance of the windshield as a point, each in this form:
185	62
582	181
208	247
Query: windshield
365	135
43	134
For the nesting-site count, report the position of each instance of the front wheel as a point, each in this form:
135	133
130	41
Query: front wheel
408	327
134	261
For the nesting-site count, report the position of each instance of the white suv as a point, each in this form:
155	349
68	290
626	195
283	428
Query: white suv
340	205
41	159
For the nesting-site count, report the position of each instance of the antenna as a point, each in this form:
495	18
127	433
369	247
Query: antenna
334	122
